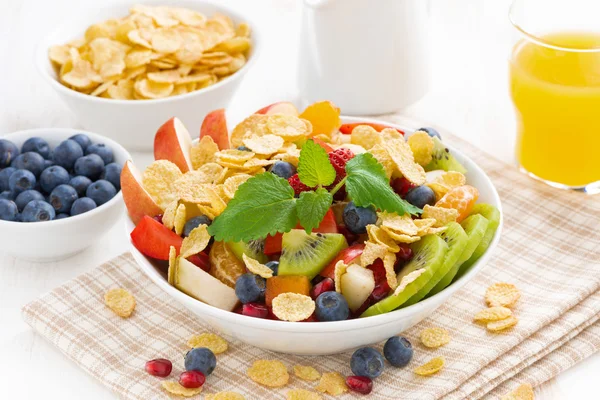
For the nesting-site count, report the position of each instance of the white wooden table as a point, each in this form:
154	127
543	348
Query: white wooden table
469	97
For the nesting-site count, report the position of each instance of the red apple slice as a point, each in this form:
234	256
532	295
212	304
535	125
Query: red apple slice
173	142
347	255
137	200
282	107
215	126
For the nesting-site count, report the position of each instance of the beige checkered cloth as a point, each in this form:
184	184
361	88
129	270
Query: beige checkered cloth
550	249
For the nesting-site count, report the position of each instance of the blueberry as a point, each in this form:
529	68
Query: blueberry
195	222
250	288
274	266
420	196
38	211
25	197
91	166
8	152
62	198
200	359
283	169
61	216
356	218
367	361
82	205
8	210
431	132
7	195
398	351
52	177
332	306
112	173
21	180
66	153
30	161
48	163
37	145
80	183
82	140
4	175
104	152
243	148
101	191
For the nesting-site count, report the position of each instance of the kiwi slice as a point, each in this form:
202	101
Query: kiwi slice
429	253
492	214
475	227
252	248
443	159
308	253
456	239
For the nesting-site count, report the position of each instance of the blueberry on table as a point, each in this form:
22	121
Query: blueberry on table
82	139
30	161
368	362
195	222
91	166
62	198
4	175
100	149
80	183
200	359
101	191
62	216
431	132
7	195
66	153
37	145
283	169
53	176
21	180
331	306
38	211
25	197
356	218
273	266
8	210
250	288
112	173
8	152
82	205
398	351
420	196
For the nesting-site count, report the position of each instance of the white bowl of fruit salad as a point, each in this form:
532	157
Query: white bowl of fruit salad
309	233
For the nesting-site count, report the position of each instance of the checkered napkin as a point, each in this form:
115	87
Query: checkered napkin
550	249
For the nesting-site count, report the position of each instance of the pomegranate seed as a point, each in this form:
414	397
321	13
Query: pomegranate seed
368	302
201	261
158	218
326	285
378	270
381	290
360	384
402	186
350	237
256	310
238	310
405	253
312	318
273	316
159	367
191	379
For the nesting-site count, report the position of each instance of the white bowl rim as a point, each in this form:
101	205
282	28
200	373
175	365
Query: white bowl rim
41	56
335	326
96	138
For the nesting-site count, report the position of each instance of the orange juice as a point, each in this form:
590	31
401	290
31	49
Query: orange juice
556	93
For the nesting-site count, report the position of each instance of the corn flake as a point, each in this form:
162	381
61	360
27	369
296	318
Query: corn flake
408	279
383	157
523	392
306	372
180	219
332	383
302	394
502	294
159	181
434	337
168	218
492	314
232	184
403	224
266	144
421	145
173	264
378	235
340	269
257	268
389	261
289	127
442	216
400	237
196	241
227	395
372	252
497	326
120	301
402	156
255	124
430	367
366	136
293	307
214	343
178	390
271	373
233	157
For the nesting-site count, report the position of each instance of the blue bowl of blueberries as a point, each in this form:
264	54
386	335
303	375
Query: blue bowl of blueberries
59	188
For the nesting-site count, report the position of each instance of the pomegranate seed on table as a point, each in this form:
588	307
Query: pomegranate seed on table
360	384
326	285
159	367
256	310
192	379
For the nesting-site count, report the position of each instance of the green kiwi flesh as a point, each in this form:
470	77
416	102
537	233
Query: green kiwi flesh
252	248
443	159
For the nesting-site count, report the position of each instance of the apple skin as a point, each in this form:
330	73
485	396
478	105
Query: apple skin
137	200
215	126
282	107
153	239
347	255
173	142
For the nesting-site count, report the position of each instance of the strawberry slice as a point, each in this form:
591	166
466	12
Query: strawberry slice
153	239
338	159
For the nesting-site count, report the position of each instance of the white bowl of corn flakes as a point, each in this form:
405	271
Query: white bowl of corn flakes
125	69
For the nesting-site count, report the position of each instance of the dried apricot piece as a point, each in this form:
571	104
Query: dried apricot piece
286	284
461	198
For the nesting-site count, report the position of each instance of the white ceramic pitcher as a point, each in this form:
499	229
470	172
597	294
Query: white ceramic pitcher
367	56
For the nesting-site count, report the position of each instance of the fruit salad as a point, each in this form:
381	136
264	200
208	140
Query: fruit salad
298	217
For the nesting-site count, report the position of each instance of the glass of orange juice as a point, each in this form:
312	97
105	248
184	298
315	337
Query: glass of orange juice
555	88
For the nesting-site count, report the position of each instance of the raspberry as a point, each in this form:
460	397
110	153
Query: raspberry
298	186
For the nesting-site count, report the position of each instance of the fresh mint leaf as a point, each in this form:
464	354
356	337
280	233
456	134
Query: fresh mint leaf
314	168
312	207
367	184
263	205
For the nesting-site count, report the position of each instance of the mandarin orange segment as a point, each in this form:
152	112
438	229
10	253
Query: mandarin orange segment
224	265
460	198
324	117
286	284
